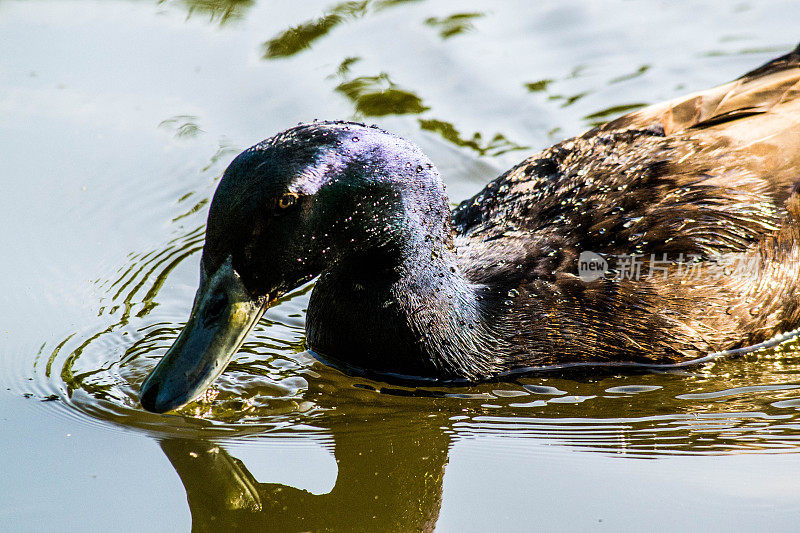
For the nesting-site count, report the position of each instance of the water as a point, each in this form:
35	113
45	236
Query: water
117	119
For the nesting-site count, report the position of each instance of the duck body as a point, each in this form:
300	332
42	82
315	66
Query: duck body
408	289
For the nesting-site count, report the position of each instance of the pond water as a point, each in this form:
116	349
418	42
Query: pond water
117	119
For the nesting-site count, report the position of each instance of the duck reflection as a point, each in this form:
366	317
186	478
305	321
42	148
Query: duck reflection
389	479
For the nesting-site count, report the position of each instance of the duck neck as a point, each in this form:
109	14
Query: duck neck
404	309
447	313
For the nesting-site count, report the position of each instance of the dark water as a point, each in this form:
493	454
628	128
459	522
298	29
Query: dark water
116	121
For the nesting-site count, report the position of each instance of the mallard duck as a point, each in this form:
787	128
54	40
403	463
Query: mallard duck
536	271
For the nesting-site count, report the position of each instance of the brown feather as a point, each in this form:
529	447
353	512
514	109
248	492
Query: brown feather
713	175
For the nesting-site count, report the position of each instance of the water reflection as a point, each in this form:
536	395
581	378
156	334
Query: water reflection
776	50
389	479
633	75
182	126
275	388
376	96
494	146
301	37
538	86
222	11
455	24
552	89
604	115
391	444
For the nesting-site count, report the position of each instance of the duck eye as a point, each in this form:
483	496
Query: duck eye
287	200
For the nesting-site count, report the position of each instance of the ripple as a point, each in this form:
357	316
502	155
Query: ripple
718	433
736	391
633	389
275	387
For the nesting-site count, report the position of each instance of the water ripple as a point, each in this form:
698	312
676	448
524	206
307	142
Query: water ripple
273	386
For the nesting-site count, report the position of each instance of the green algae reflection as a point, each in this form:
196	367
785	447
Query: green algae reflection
376	96
222	11
301	37
453	25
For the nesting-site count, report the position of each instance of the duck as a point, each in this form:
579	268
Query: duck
662	238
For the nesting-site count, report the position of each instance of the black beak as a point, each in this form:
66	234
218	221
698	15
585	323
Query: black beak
222	316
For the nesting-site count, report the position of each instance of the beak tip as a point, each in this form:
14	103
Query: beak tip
147	397
152	400
222	316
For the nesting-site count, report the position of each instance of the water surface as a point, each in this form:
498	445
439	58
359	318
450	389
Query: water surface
117	119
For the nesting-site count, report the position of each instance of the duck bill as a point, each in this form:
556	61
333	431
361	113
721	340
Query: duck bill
222	316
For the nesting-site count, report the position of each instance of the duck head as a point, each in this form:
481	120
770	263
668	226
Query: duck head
285	210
